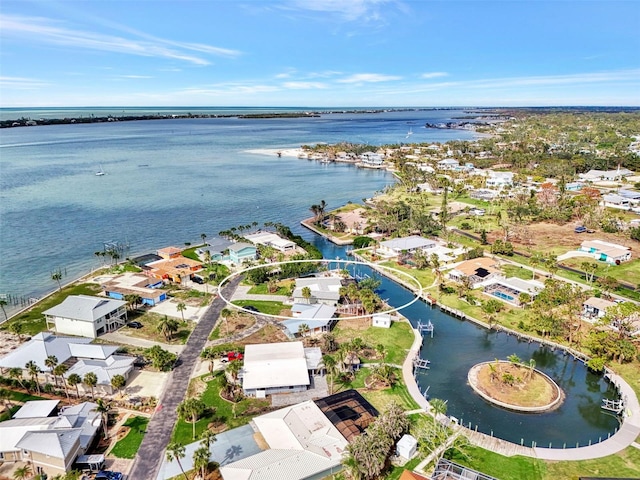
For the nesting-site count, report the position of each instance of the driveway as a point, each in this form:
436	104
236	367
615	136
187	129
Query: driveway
124	339
151	453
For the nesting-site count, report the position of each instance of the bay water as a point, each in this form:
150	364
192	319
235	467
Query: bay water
168	181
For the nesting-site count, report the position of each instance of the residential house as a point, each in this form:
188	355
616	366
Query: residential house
371	160
509	289
241	252
611	253
475	271
605	175
499	180
594	308
169	252
50	442
271	368
273	240
409	244
449	164
318	317
325	290
304	441
615	200
77	353
86	316
216	249
176	269
149	290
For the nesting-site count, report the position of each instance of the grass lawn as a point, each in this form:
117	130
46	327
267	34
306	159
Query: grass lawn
220	411
380	399
629	272
268	307
518	272
397	340
128	446
284	288
32	320
7	414
499	466
624	464
426	277
395	472
149	330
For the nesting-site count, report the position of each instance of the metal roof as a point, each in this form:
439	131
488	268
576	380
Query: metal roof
55	443
39	348
36	409
272	365
84	307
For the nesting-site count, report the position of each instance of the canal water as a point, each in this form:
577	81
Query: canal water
457	345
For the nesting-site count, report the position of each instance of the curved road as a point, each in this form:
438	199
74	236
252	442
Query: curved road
151	453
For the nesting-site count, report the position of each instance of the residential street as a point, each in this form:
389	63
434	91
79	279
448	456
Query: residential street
151	452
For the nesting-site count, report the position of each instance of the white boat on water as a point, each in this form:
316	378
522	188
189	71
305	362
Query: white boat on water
409	133
100	172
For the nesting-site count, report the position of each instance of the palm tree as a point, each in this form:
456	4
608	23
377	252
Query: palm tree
330	366
16	373
190	410
303	329
225	314
438	406
306	294
234	368
201	460
175	451
207	438
168	326
74	380
181	307
57	276
103	408
118	381
90	380
50	362
209	354
532	366
21	473
60	370
380	350
33	369
203	236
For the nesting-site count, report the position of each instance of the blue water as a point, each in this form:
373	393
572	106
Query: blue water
457	345
197	178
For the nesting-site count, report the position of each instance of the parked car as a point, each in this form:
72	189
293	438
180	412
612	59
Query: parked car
251	308
108	475
231	356
580	229
134	325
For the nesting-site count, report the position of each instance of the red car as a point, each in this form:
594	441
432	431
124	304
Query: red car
231	356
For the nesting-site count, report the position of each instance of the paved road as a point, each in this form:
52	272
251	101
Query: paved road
151	453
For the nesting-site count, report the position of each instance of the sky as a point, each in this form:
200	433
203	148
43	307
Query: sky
323	53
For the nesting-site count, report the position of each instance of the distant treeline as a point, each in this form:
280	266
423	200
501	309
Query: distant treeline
28	122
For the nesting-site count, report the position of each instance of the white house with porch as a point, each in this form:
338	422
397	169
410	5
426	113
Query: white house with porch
325	290
87	316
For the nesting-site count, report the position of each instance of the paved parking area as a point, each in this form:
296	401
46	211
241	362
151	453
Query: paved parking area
143	383
170	309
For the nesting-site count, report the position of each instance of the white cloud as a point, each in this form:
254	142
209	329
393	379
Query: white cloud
434	75
22	83
367	11
46	31
368	78
133	76
304	85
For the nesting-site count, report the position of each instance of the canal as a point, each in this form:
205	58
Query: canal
457	345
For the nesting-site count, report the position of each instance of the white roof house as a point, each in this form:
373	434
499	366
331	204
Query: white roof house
409	244
303	443
274	368
499	179
272	240
87	316
605	175
318	317
594	308
509	289
98	359
324	290
36	409
39	348
607	252
42	437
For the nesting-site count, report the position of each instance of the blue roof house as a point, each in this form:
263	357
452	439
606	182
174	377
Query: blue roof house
239	252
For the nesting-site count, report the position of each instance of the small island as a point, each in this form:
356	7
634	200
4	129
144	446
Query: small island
515	386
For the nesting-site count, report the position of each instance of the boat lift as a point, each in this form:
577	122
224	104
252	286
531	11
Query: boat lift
425	327
616	406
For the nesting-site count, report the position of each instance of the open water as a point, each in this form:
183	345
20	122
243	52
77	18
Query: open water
168	181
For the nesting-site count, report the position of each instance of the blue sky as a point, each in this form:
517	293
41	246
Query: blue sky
319	53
